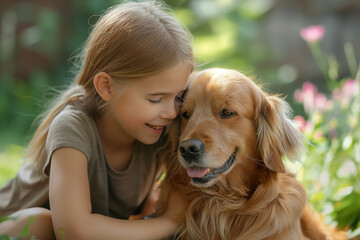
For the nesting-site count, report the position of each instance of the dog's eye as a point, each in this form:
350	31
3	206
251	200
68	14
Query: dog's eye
185	115
226	113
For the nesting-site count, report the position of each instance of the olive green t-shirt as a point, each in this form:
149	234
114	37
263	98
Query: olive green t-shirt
113	193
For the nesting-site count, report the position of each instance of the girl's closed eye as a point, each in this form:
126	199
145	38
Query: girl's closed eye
155	100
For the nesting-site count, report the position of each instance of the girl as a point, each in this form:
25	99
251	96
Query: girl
94	151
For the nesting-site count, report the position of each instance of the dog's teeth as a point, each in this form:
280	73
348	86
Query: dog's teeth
208	171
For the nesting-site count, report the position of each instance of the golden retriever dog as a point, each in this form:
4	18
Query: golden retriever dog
225	161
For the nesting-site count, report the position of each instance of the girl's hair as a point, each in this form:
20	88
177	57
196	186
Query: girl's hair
131	40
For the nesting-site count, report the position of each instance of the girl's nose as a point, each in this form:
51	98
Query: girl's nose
169	112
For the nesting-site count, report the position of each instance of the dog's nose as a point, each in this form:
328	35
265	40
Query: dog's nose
191	149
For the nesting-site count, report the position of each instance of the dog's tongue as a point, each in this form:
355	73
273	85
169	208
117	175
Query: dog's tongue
197	172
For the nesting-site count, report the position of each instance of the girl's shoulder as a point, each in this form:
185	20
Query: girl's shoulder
72	127
72	115
73	121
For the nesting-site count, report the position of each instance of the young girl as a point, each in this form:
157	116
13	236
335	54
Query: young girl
94	151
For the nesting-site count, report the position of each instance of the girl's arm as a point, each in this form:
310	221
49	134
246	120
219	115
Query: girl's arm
71	206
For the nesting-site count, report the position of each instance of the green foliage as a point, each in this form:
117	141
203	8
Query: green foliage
10	162
24	233
347	211
62	234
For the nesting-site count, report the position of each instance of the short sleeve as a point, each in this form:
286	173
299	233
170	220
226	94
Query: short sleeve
69	129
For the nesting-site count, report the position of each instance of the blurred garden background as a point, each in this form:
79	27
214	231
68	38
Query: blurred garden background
317	72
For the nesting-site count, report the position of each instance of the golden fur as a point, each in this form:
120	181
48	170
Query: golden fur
256	198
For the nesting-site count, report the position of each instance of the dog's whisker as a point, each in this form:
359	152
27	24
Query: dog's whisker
167	156
174	166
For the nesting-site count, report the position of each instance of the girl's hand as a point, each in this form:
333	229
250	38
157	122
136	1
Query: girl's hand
150	204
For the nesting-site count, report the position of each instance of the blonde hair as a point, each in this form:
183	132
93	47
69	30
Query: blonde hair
131	40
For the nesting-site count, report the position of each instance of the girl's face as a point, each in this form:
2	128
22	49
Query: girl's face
144	107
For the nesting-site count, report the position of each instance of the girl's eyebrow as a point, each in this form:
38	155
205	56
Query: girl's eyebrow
158	94
165	93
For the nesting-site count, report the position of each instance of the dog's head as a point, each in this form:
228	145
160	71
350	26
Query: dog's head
231	128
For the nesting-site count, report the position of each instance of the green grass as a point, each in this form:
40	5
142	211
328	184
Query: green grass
10	162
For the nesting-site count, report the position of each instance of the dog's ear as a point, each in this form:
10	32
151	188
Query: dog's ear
276	134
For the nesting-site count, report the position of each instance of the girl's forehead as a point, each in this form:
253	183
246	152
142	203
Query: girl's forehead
171	80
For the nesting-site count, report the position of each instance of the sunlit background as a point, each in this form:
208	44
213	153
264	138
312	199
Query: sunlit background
261	38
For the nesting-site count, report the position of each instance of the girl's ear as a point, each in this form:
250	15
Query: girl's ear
103	84
276	134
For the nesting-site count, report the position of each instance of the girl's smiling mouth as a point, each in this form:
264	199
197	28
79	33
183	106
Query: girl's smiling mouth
156	128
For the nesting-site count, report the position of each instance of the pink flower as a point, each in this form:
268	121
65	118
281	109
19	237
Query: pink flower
299	122
302	124
309	92
318	134
309	88
320	102
299	96
312	33
350	87
310	98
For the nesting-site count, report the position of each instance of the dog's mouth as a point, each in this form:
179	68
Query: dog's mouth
202	175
